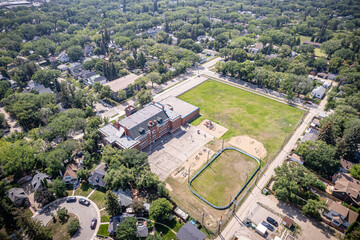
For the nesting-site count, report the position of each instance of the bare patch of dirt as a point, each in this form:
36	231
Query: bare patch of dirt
249	145
212	128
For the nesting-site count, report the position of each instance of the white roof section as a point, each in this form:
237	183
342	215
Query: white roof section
122	83
179	106
261	228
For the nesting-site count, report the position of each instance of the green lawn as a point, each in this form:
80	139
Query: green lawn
244	113
105	217
224	177
319	53
304	38
99	198
103	230
83	190
166	233
59	229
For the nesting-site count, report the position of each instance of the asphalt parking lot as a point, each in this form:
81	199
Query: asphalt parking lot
84	213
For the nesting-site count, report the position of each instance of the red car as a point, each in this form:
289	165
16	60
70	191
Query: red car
93	223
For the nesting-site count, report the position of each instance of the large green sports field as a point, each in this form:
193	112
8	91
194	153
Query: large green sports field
244	113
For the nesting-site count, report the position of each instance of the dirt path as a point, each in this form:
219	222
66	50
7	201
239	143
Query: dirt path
14	127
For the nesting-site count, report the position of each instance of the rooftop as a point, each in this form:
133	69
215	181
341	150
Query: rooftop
122	83
179	106
190	232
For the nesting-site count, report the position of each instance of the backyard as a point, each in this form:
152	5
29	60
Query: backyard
224	177
244	113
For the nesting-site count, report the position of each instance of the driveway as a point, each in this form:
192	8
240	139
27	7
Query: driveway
84	213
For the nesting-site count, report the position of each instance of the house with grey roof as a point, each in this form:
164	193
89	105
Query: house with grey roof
97	178
37	179
17	196
115	220
124	197
63	57
190	232
141	128
318	92
35	86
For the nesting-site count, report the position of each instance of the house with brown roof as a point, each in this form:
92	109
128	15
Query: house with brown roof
122	84
316	45
70	176
345	165
346	188
339	215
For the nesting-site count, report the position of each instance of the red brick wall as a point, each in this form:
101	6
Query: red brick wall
190	116
175	124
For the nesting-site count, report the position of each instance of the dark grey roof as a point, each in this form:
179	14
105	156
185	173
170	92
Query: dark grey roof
125	197
99	79
114	221
141	118
36	181
190	232
97	178
142	231
16	194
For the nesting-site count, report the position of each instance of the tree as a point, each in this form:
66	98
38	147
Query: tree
7	211
154	77
33	229
355	171
45	76
350	142
327	134
44	196
75	53
105	92
141	60
58	186
138	206
126	230
62	214
112	204
83	174
312	208
331	46
143	97
156	236
319	156
160	210
73	227
130	62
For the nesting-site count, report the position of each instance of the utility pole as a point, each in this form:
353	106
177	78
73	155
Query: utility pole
223	144
208	156
189	175
219	226
202	221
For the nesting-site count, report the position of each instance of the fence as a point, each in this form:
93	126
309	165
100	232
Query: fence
241	190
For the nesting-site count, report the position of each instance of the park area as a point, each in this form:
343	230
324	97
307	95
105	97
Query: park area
221	180
255	124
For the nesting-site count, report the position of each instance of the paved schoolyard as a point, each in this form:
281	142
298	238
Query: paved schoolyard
169	152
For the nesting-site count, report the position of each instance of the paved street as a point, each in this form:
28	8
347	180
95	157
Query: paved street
84	213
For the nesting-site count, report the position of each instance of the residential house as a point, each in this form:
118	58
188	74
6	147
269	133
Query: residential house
70	176
153	31
202	58
327	84
53	61
115	220
339	215
287	222
141	128
88	50
310	135
318	92
332	76
256	48
122	84
13	84
296	158
63	57
124	197
141	229
37	180
322	75
316	45
315	123
346	188
190	232
345	165
17	196
35	86
181	214
97	178
95	78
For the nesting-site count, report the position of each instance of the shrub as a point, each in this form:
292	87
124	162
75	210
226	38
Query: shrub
73	227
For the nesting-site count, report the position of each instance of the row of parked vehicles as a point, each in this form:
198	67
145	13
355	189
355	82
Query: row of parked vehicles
269	226
84	202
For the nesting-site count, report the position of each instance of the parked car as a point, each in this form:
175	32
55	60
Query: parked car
84	202
93	223
268	226
272	221
71	199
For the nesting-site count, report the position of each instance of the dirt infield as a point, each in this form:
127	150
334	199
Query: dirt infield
249	145
216	129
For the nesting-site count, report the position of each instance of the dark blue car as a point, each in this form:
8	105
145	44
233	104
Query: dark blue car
272	221
268	226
